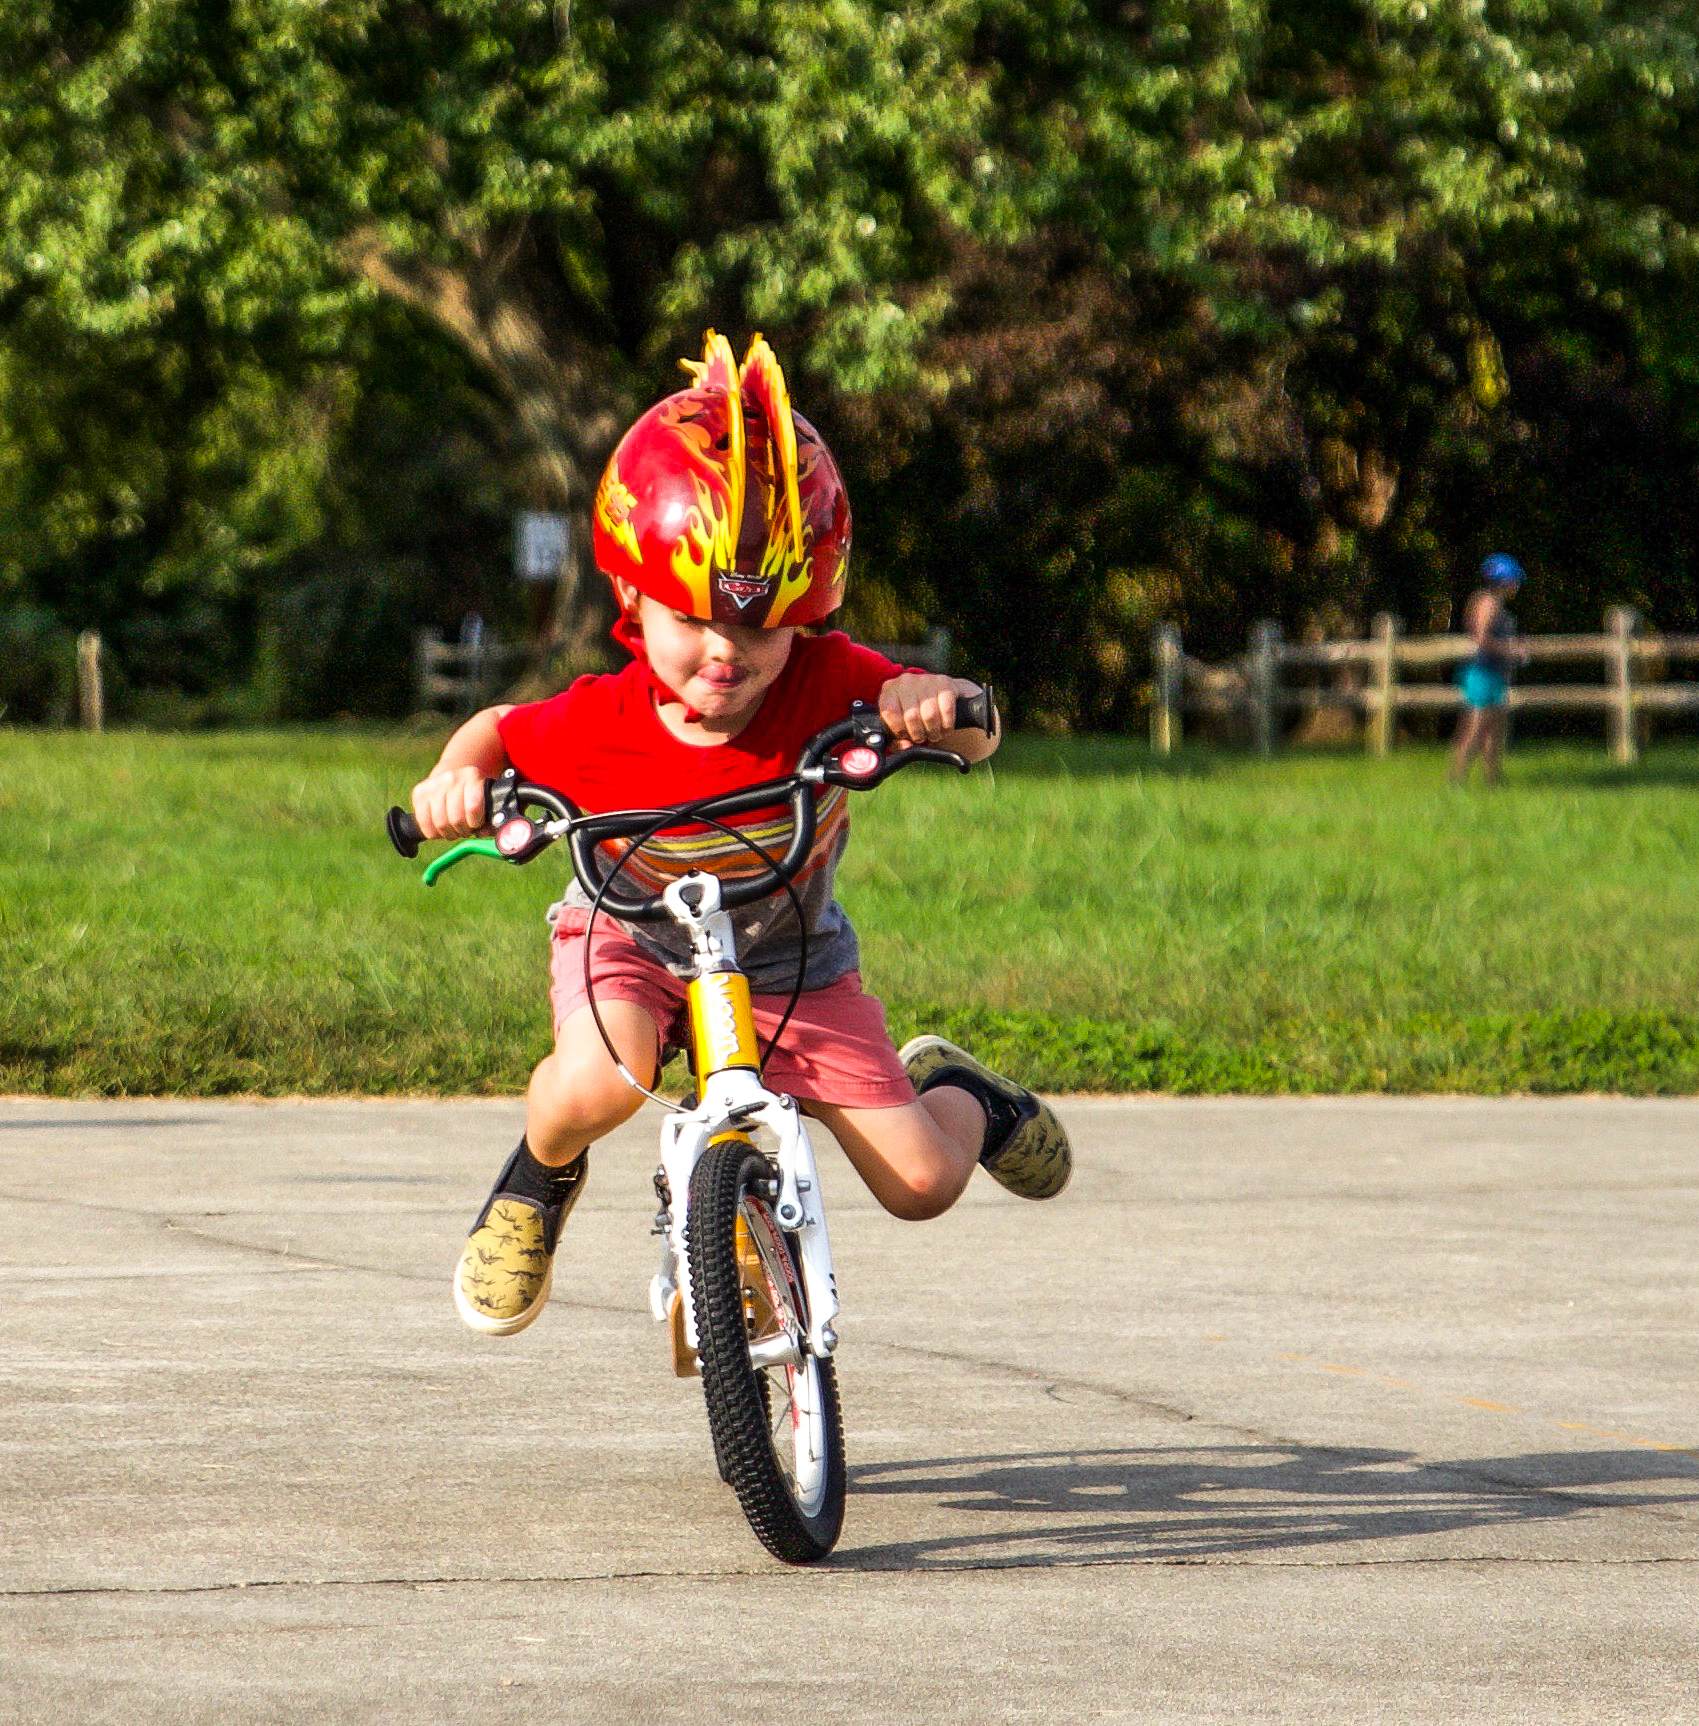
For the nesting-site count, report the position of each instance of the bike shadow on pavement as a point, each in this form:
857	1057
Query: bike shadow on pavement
1198	1503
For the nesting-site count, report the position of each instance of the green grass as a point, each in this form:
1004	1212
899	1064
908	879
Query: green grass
220	913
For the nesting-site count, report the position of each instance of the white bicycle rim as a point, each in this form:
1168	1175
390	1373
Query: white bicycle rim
796	1416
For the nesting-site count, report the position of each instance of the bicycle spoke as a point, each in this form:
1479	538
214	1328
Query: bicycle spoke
785	1418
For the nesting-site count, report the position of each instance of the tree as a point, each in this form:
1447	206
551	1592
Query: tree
563	193
1114	310
1269	342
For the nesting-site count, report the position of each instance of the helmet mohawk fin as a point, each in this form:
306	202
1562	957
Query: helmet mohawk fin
717	370
763	383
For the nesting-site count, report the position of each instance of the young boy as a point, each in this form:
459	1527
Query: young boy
725	529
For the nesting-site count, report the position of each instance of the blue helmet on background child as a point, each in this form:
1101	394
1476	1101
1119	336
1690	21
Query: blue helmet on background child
1502	570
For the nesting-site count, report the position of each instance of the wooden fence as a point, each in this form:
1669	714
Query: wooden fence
463	676
1370	679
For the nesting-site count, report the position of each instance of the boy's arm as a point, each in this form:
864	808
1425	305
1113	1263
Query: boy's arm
448	803
920	707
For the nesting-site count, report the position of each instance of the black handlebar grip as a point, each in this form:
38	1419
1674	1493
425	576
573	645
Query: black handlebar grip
404	832
978	712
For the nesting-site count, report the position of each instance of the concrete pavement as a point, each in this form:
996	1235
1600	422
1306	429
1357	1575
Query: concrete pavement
1289	1410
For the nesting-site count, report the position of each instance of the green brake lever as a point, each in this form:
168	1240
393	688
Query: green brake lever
458	853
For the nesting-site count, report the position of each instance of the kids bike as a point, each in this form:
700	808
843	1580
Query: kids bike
745	1285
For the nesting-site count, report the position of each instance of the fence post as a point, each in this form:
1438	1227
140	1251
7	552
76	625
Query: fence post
91	687
425	643
471	660
1265	686
1620	623
1383	716
1170	674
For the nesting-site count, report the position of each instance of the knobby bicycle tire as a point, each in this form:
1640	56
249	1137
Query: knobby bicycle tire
778	1432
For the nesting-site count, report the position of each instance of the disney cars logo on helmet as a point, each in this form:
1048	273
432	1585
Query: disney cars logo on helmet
724	503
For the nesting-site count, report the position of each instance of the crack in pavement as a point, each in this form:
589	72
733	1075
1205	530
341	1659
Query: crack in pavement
841	1568
1048	1382
284	1258
1052	1384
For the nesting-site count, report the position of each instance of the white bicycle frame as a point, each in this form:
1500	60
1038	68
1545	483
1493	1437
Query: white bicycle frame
733	1099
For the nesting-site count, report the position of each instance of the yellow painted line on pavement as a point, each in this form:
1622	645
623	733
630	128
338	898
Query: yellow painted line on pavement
1579	1426
1350	1371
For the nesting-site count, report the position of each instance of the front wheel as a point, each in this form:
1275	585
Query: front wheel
772	1406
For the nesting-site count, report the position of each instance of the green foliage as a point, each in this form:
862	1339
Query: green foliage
1325	302
331	642
37	667
1113	313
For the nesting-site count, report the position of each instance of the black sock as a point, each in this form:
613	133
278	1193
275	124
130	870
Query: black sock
529	1179
1001	1116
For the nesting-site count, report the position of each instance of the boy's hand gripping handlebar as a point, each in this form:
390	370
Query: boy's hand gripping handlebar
868	758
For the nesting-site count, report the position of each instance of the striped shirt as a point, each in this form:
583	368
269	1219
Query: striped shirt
602	744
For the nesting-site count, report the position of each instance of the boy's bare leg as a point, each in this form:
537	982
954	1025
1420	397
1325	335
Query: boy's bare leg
576	1094
916	1158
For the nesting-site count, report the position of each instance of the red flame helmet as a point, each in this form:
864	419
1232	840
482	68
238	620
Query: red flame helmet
723	503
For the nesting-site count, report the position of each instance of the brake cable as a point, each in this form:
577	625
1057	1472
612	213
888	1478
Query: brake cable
666	818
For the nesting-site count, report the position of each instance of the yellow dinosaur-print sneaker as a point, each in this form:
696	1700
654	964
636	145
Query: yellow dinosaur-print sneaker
504	1274
1026	1147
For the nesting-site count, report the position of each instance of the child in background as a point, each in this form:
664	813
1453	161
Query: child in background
1484	677
725	528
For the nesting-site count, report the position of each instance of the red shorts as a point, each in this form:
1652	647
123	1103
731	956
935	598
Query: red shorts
835	1050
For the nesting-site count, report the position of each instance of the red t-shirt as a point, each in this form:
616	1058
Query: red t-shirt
601	743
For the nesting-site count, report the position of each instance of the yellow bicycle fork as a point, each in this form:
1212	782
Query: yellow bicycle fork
722	1025
722	1036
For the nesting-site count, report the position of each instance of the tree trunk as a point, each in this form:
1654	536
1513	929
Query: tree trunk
565	407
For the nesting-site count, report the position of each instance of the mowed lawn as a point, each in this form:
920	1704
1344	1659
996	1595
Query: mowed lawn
220	913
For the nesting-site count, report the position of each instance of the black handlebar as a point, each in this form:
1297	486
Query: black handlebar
592	830
404	833
977	713
869	761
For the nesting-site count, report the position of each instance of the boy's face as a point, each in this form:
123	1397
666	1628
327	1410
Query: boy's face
722	670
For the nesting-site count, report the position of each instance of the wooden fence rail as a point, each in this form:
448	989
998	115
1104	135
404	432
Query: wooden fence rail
463	675
1367	680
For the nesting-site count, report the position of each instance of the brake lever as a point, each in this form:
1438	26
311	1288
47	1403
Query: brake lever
925	752
517	837
863	766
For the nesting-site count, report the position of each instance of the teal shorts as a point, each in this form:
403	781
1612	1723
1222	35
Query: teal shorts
1482	686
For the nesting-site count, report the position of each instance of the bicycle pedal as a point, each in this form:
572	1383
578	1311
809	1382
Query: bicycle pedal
685	1363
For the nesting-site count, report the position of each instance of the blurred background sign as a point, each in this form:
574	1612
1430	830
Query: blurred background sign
539	545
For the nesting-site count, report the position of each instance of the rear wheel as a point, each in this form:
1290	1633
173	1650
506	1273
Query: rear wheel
772	1406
